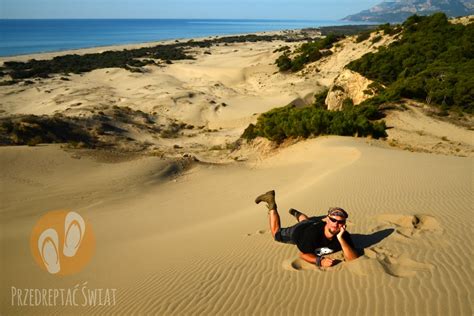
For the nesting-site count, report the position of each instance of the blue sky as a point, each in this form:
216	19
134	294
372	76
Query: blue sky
205	9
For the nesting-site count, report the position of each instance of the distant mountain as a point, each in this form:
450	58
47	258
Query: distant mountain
399	10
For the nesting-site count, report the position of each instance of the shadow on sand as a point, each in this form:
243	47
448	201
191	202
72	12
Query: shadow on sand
362	241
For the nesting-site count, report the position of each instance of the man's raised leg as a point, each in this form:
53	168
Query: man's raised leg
274	217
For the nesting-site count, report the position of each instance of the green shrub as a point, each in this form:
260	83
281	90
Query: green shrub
347	103
282	49
388	29
249	132
363	36
283	62
32	130
376	39
345	29
307	53
289	121
320	99
298	63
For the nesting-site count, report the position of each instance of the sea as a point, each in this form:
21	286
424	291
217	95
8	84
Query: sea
19	37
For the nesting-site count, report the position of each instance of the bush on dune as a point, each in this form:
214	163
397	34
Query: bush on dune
362	36
83	63
32	130
307	53
290	121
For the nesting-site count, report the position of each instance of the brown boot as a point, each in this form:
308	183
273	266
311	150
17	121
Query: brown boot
268	198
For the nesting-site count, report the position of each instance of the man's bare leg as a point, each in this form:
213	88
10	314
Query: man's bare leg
274	221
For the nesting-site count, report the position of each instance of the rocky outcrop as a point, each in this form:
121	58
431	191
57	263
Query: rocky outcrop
348	85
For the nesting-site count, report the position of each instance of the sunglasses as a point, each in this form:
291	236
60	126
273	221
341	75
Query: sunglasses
341	222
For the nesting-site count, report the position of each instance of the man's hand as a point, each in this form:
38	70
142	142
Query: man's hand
349	252
324	263
328	262
341	231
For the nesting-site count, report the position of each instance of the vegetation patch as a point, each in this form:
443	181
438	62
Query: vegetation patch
289	121
307	53
433	62
106	129
32	130
363	36
389	29
130	59
346	30
376	39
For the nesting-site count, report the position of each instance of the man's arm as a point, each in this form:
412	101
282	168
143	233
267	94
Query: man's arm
311	258
348	251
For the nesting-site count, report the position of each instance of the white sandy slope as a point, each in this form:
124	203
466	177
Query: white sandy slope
242	75
222	92
199	244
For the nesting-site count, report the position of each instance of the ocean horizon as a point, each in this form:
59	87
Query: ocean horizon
30	36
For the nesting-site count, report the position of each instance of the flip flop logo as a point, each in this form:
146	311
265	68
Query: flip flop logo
62	242
48	248
74	227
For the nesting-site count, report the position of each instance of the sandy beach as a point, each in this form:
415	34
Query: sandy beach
176	228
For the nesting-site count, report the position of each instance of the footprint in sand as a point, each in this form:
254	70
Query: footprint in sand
376	260
383	259
408	226
298	264
397	265
259	232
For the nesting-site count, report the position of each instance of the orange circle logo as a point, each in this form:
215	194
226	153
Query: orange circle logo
62	242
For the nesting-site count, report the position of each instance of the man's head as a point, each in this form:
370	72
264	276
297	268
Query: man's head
336	219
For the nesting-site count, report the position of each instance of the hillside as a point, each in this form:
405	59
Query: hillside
420	69
400	10
432	62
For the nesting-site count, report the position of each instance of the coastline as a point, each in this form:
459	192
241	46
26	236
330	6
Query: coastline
101	49
177	27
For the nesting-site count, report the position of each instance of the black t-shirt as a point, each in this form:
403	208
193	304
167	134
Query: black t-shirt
309	238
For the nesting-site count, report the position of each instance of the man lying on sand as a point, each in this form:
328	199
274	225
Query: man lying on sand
314	237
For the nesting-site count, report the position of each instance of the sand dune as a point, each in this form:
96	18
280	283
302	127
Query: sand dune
199	245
